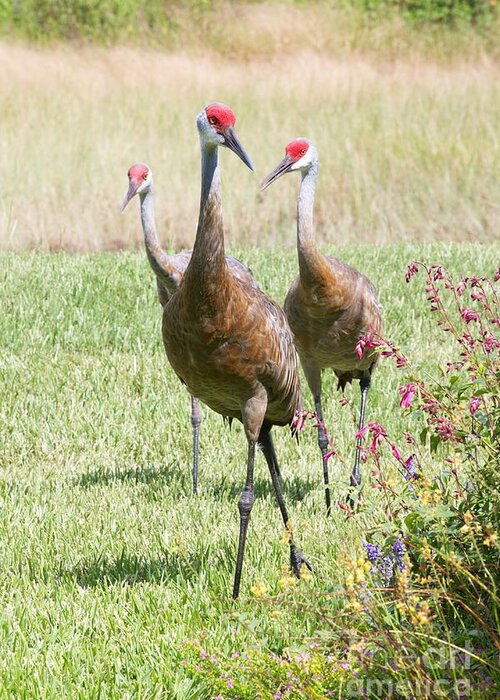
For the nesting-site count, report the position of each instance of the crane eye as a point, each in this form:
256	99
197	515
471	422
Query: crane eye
212	120
303	152
145	176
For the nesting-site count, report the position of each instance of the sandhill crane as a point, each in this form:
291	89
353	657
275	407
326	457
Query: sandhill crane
169	270
227	341
329	306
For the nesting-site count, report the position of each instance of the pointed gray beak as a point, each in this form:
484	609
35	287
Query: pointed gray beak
281	169
130	193
232	142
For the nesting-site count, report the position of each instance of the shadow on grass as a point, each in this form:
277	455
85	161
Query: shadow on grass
143	475
132	569
294	488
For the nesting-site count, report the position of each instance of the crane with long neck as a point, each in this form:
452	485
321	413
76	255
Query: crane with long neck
329	306
169	271
226	340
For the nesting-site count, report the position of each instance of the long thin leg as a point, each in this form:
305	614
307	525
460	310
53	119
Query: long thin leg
296	556
364	386
245	507
323	446
196	417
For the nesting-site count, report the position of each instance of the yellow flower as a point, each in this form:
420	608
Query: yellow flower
287	580
426	550
421	615
359	574
259	589
349	581
491	536
275	613
465	529
305	575
356	606
468	517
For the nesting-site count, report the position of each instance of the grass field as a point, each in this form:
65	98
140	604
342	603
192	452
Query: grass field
408	147
107	561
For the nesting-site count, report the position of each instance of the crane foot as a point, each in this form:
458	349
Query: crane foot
297	559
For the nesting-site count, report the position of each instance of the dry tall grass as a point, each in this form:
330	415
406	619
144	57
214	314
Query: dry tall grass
408	150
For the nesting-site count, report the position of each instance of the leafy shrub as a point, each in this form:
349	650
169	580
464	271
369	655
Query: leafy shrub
417	614
447	12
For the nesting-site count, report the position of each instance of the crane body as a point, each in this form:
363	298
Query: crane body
329	306
229	343
169	272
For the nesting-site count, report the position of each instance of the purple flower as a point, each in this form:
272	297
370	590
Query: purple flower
373	551
230	682
399	550
411	471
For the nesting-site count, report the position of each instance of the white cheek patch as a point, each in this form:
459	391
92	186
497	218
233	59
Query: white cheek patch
303	162
144	183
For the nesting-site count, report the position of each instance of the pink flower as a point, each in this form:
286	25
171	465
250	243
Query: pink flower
490	343
474	404
411	270
477	295
438	273
366	341
469	315
299	421
396	452
461	287
443	427
377	431
360	346
407	392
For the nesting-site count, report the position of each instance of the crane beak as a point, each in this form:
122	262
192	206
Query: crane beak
132	189
232	142
281	169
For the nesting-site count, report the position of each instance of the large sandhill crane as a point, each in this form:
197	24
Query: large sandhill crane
228	342
329	306
169	270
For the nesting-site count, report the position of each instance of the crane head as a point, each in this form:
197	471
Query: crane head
140	179
300	154
216	127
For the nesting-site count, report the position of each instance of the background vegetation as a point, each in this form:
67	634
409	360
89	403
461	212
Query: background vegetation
171	22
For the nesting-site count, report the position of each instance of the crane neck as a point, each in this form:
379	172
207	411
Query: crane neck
208	256
309	256
159	261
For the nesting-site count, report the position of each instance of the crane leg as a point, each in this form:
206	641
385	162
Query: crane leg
323	446
245	507
296	556
196	417
364	385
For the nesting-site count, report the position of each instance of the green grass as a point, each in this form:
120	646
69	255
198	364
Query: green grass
106	559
